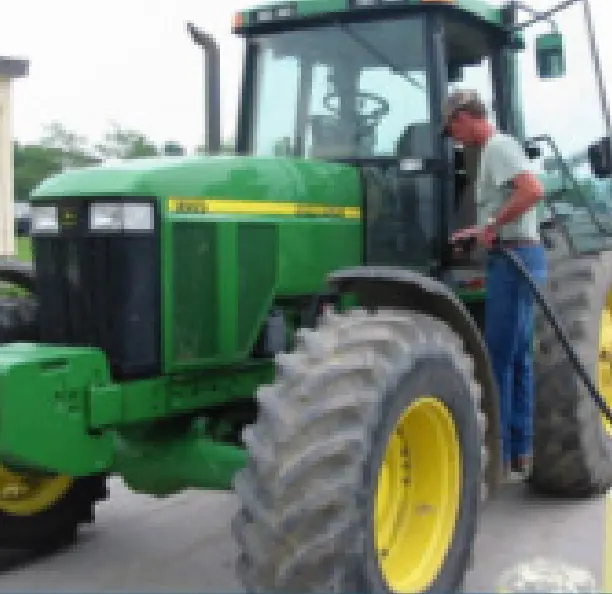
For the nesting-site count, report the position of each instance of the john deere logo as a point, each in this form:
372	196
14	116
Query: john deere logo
69	217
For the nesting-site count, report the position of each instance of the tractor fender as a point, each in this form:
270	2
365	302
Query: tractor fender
384	286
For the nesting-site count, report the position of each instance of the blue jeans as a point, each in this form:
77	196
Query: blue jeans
509	331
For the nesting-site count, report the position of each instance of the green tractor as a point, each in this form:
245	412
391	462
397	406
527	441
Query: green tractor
291	323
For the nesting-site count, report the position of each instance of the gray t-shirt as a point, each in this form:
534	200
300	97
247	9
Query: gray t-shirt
501	160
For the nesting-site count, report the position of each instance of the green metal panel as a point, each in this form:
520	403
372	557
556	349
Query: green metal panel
257	278
195	329
309	250
74	416
167	464
273	228
472	296
227	287
44	407
141	401
307	7
549	41
224	280
232	177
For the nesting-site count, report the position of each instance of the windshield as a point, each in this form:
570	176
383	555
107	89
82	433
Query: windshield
332	91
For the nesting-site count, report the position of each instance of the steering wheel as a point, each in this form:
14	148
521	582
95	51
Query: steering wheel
372	118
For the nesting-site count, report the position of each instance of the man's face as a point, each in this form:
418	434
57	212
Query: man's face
461	127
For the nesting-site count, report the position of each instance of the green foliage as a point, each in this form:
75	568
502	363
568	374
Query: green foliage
59	149
122	143
34	163
173	149
23	248
227	148
70	144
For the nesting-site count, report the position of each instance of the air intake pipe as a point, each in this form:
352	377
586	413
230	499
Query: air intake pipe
212	97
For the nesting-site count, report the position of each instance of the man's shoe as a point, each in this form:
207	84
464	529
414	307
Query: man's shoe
522	465
508	476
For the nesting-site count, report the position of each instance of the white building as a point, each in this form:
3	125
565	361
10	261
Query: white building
10	69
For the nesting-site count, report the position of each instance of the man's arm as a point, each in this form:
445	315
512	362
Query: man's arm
527	191
508	166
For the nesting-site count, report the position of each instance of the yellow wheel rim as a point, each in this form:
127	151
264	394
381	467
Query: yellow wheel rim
418	496
605	358
29	494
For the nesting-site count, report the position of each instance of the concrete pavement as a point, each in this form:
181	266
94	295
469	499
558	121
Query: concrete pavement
183	544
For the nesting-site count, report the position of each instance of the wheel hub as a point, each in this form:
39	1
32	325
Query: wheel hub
605	359
27	494
418	496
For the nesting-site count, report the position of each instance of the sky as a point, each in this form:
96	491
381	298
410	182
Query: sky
127	61
132	62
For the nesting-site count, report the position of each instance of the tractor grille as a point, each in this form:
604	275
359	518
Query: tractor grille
102	291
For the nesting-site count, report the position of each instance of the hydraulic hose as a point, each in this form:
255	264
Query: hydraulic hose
554	321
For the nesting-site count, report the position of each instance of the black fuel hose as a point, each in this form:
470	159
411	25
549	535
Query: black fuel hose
552	318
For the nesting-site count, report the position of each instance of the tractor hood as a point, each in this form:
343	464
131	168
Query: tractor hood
231	177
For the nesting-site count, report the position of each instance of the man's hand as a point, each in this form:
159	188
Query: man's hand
483	235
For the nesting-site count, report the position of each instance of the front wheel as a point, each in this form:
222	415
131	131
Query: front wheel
366	462
40	512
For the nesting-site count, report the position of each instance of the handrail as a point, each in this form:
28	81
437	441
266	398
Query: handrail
568	173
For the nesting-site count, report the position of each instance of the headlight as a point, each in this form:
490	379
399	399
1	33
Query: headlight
106	217
138	217
44	219
118	217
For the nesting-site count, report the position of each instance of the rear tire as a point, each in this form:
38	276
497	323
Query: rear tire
309	519
572	449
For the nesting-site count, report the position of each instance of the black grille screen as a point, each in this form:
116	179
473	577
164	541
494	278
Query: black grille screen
102	291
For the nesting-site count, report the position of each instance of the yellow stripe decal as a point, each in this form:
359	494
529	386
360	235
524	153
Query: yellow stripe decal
258	207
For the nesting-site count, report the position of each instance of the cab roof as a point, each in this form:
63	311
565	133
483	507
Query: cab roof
276	12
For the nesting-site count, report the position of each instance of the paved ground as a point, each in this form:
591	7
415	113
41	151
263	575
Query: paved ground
182	544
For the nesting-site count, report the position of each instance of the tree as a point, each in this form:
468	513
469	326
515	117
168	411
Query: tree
69	147
32	165
122	143
227	148
173	149
57	150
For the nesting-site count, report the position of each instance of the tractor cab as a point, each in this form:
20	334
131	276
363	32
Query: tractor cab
365	84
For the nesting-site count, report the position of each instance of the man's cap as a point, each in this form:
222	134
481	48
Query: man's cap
459	99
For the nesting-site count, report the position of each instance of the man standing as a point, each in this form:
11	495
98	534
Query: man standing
506	194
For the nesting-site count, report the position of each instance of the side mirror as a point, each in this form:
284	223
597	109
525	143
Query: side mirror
550	55
600	157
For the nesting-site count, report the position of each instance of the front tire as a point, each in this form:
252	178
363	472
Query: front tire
366	462
38	513
42	513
